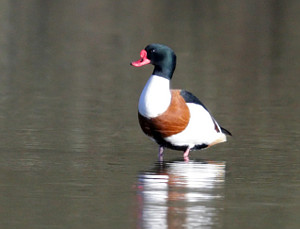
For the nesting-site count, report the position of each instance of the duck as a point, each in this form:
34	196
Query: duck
173	118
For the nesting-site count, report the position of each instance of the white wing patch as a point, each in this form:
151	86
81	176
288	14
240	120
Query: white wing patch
200	130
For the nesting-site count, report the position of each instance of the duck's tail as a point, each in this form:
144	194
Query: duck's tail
226	131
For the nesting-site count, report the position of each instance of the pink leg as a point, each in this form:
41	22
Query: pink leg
186	154
161	153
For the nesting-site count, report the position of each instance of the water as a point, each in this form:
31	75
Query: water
181	194
71	152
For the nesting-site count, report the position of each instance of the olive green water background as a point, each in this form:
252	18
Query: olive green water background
72	154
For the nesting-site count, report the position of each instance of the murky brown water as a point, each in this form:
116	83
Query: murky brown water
72	154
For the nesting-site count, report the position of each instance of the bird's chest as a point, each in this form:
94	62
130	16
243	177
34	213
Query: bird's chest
155	97
172	121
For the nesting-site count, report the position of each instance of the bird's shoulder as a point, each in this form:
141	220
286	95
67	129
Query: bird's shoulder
190	98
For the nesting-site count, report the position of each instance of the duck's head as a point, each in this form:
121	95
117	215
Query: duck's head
161	56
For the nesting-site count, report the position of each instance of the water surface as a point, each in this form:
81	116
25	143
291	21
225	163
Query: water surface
71	152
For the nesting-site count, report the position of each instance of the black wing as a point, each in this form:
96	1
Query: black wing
190	98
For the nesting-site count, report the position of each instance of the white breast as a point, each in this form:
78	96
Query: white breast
155	98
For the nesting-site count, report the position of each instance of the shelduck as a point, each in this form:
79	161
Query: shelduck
174	118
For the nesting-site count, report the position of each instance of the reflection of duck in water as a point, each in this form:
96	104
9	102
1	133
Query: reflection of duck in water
175	119
176	193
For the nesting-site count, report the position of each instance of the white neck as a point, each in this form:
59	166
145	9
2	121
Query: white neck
156	97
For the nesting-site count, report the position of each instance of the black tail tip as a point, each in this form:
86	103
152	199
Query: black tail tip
226	131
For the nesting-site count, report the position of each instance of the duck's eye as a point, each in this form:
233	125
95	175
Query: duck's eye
152	50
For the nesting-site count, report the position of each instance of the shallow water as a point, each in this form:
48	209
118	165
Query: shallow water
177	193
71	152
